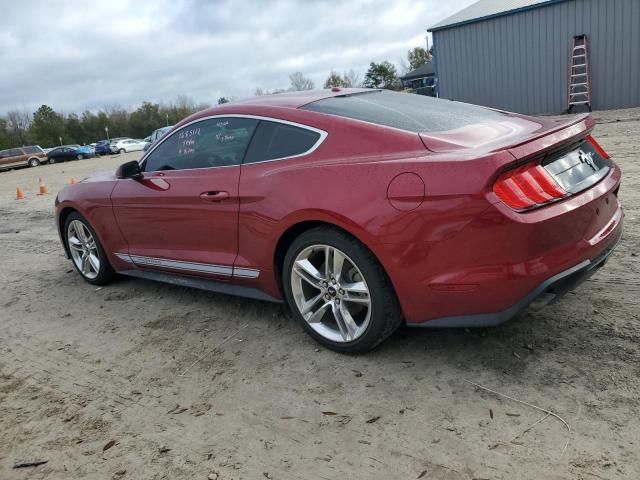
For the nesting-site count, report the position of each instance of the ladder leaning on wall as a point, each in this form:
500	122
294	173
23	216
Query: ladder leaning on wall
579	90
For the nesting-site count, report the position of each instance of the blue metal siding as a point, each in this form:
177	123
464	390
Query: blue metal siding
520	62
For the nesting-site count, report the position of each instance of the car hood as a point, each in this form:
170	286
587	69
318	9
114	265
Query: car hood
103	176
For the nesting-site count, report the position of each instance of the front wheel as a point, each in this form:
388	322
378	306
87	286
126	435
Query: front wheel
122	150
52	160
86	252
339	291
79	157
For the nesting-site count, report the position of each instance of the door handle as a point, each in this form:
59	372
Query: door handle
215	196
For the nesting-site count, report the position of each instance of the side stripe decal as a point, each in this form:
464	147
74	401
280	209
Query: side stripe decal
189	266
245	272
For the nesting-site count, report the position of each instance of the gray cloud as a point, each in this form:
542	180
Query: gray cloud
77	55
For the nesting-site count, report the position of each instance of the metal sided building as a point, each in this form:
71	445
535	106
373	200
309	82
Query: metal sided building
516	54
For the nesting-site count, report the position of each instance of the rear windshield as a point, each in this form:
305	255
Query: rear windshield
415	113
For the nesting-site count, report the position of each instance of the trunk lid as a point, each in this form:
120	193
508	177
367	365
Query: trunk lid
562	146
519	134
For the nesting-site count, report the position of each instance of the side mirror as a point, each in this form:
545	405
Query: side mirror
129	170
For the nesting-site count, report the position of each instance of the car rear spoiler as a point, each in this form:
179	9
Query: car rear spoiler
518	134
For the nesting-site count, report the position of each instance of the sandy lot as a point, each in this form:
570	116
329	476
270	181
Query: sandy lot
140	380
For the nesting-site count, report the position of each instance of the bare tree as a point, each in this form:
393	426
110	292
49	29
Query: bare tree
185	103
334	80
418	56
300	82
351	78
18	123
404	67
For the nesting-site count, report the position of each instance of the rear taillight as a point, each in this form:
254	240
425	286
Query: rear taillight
526	187
598	148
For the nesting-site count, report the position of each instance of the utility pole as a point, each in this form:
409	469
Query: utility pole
426	37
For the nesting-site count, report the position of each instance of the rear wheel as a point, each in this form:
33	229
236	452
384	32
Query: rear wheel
34	162
339	292
79	157
52	160
86	252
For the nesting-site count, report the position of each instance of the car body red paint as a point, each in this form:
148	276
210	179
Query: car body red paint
451	249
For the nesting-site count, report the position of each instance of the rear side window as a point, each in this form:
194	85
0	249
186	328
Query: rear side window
275	140
32	150
15	152
415	113
216	142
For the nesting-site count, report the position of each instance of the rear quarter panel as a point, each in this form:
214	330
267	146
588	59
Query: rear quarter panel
460	234
344	183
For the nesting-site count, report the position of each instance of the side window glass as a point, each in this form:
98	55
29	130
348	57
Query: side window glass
15	152
278	140
216	142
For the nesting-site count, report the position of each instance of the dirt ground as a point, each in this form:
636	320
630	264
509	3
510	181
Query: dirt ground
140	380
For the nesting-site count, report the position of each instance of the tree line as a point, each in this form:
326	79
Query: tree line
48	128
379	75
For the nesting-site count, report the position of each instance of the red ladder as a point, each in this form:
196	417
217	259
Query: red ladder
579	91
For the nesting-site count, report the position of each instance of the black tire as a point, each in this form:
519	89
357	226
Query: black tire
33	162
122	150
52	160
386	315
106	273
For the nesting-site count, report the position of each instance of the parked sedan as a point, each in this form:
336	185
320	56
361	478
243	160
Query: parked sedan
156	135
69	152
112	143
360	208
102	147
128	145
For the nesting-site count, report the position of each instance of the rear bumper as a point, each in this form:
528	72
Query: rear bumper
492	264
547	292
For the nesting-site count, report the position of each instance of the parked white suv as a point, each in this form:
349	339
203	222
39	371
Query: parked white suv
128	145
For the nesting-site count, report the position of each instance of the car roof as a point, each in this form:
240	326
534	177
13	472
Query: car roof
278	101
286	100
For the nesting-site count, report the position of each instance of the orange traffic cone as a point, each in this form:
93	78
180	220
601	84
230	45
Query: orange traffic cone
43	188
72	181
19	193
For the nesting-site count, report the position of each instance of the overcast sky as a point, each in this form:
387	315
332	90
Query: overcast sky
76	55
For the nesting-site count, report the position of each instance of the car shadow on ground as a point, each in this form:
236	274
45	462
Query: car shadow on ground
546	345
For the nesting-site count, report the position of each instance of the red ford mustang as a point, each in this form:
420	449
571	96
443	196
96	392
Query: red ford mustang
361	208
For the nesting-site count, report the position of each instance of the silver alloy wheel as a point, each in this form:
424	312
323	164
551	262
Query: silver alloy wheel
83	248
33	162
331	293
